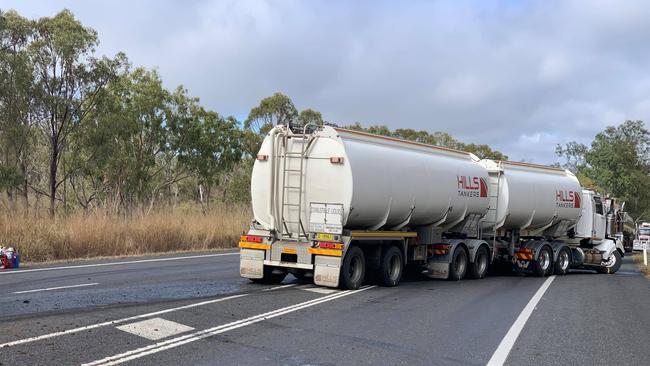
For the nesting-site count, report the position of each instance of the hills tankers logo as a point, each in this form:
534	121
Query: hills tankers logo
567	199
469	186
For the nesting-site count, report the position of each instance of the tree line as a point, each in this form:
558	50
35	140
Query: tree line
82	131
616	163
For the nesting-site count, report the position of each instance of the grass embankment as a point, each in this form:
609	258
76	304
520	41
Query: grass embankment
101	235
638	259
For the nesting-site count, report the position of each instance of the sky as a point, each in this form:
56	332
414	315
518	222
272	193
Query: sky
521	76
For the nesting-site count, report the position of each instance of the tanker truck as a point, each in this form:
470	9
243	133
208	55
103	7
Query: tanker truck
343	206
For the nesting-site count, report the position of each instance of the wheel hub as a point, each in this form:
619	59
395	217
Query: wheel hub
544	260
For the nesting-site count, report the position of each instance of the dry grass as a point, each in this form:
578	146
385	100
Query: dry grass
100	235
638	258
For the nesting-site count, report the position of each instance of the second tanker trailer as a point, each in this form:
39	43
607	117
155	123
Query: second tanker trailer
340	206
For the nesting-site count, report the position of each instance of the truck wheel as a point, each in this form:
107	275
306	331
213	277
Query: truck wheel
270	278
353	270
391	266
458	265
611	265
478	269
544	263
563	261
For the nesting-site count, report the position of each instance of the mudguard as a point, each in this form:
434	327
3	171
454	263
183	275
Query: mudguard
607	247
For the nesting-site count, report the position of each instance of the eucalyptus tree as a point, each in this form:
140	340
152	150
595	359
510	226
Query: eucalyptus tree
69	80
16	102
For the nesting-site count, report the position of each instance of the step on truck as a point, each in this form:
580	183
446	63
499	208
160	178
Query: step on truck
341	206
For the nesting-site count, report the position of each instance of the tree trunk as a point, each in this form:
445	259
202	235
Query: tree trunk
54	157
23	171
201	198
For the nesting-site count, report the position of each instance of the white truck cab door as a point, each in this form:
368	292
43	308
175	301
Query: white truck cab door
600	219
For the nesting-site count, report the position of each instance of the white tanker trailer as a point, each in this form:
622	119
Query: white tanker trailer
339	205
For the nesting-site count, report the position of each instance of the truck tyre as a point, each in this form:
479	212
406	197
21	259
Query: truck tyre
458	265
391	266
478	269
612	265
270	278
353	270
563	261
544	262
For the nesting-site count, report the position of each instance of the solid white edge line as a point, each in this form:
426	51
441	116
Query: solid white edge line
55	288
501	354
117	321
17	271
179	341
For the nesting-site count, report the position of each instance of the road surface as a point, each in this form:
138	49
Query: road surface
195	309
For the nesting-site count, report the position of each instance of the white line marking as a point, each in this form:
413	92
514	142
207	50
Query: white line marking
179	341
155	329
278	287
317	289
501	354
115	263
55	288
117	321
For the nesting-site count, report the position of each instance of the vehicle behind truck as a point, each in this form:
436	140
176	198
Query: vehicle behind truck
341	206
643	237
622	224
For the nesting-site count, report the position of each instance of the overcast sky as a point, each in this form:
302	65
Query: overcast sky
521	76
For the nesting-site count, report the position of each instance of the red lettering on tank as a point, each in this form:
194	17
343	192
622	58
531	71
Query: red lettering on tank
484	188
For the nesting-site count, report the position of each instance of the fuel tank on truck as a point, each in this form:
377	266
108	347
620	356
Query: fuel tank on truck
378	182
535	199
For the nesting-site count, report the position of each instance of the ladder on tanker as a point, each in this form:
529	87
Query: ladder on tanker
289	190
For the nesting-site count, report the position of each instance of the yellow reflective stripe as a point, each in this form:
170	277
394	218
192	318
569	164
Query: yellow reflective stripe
289	250
377	234
330	252
249	245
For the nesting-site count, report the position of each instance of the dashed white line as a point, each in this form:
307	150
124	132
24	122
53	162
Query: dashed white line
55	288
501	354
278	287
318	289
182	340
18	271
155	329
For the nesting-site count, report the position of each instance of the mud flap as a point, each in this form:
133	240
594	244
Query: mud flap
439	270
523	265
327	270
251	263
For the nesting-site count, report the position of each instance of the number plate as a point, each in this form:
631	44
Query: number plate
324	237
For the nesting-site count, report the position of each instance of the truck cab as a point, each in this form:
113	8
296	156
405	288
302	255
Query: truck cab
643	237
593	221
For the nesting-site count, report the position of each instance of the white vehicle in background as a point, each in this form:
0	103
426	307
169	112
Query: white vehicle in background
642	237
335	205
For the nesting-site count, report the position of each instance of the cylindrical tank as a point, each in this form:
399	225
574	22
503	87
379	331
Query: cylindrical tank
381	182
531	197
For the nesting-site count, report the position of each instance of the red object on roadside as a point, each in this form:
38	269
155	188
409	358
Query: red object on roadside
4	262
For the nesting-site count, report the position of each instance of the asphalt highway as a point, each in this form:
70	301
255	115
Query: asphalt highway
195	309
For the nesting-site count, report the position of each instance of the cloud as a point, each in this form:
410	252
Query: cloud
520	76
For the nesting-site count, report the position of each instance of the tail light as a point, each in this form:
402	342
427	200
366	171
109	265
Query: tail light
262	157
336	160
252	238
329	245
